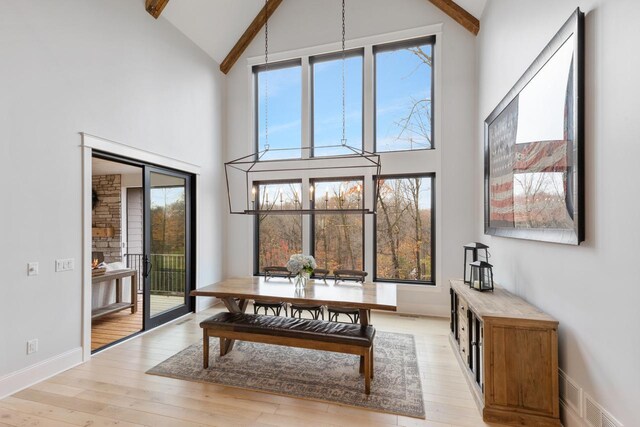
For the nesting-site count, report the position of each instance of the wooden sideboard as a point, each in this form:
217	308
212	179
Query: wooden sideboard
508	350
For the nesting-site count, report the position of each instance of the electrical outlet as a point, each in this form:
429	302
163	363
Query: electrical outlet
66	264
32	269
32	346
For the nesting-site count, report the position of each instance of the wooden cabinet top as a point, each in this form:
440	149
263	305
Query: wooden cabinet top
499	303
114	274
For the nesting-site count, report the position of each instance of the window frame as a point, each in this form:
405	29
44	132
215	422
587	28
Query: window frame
278	65
431	282
326	57
312	220
256	220
387	47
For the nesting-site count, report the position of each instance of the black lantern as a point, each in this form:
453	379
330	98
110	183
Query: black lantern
473	248
481	276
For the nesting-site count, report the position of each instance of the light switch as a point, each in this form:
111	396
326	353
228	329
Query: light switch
32	269
65	264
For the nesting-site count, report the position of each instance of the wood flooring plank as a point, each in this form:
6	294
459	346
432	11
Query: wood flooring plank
55	413
20	419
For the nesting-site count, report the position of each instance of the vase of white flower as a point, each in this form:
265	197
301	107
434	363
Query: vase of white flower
302	266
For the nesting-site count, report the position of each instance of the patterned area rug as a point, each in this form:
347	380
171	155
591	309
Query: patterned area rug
311	374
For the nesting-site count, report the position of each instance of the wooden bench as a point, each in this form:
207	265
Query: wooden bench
286	331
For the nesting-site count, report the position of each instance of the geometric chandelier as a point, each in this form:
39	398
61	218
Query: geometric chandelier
247	170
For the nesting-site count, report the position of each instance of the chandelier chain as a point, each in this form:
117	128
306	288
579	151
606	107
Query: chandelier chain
344	122
266	75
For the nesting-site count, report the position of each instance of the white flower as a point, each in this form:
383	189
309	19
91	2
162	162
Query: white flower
299	262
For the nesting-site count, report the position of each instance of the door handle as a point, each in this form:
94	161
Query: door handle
147	267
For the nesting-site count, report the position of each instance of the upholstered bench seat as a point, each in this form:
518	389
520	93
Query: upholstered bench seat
287	331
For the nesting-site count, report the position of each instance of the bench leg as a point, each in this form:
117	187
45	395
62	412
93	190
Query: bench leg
205	348
371	359
367	372
234	307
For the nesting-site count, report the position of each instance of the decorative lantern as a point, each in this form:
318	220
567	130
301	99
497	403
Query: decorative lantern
472	248
481	276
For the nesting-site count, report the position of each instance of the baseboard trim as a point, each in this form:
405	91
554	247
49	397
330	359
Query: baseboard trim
569	417
432	310
205	303
26	377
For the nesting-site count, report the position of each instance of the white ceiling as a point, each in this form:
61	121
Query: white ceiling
106	167
216	25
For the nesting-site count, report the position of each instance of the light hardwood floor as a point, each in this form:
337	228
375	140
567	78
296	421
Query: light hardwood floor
112	389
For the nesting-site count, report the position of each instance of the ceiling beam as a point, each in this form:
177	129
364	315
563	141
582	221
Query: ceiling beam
155	7
458	14
249	34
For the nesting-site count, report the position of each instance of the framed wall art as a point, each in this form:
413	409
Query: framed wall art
534	147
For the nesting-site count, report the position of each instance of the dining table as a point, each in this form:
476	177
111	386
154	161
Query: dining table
236	293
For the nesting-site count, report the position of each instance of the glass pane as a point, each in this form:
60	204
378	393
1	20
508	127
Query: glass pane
403	229
338	238
283	87
403	98
279	236
168	245
338	194
327	106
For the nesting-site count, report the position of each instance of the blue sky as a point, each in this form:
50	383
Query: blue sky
402	80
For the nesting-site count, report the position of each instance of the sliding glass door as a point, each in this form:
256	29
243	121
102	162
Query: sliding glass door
168	245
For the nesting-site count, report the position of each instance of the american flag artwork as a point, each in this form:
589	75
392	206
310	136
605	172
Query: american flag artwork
530	151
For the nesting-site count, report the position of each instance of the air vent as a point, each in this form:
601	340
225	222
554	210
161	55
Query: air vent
570	393
596	416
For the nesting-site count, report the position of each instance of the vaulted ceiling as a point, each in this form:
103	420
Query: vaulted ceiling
216	25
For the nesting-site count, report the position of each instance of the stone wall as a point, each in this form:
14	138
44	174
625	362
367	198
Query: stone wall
107	213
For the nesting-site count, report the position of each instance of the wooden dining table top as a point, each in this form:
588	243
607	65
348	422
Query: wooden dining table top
368	296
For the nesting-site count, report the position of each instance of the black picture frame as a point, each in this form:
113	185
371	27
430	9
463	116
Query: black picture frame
534	147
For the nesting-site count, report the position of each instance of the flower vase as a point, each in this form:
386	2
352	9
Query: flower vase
301	280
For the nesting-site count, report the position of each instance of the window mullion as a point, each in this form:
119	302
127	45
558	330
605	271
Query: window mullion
306	109
368	120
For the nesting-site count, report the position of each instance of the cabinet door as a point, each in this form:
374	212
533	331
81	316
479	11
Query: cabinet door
523	370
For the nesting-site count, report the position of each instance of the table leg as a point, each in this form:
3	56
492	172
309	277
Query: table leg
364	317
118	290
364	321
226	345
134	294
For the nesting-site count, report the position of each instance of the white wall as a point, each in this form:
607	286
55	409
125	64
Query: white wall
298	25
109	69
593	290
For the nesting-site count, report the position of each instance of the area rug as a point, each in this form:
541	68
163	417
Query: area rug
311	374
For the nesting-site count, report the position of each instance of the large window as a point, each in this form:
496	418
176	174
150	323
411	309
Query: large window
327	103
404	229
278	236
404	95
338	239
279	120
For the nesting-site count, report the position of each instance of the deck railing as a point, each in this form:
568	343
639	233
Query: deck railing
167	273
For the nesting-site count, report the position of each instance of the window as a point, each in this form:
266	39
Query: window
404	95
281	86
278	236
404	229
338	239
327	103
